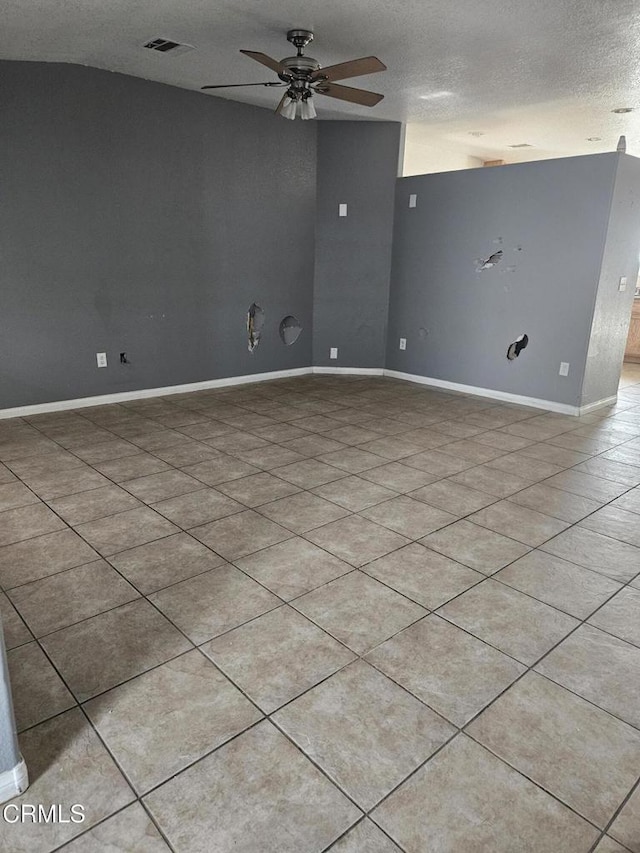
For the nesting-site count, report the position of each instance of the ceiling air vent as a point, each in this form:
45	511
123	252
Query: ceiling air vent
168	46
521	145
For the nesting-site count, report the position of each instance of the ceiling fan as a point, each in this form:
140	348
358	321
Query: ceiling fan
303	76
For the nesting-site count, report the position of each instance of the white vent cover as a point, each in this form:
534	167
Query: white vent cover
168	46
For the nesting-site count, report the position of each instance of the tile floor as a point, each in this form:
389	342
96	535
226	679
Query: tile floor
346	614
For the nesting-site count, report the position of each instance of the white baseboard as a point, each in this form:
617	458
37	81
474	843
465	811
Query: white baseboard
599	404
14	782
349	371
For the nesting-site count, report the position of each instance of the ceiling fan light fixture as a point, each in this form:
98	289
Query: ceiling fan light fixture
307	108
288	109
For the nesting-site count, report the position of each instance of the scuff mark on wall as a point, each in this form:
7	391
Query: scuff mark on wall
255	322
290	329
514	349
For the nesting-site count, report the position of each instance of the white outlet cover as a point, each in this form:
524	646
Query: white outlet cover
622	286
101	358
342	210
413	199
403	343
564	368
333	352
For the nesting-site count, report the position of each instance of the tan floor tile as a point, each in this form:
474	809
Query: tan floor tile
104	451
629	501
197	508
408	517
364	731
518	522
187	452
352	434
451	671
574	589
453	497
25	522
619	472
38	691
112	647
162	486
557	455
293	567
302	512
601	668
473	451
59	600
309	473
392	447
427	438
616	523
498	483
586	485
59	483
97	503
516	624
621	616
13	495
240	534
399	477
626	827
153	733
608	845
220	470
317	423
269	457
519	465
67	764
258	489
614	559
555	502
353	460
16	632
281	433
36	558
554	736
365	837
166	561
474	546
438	463
129	830
212	603
276	657
356	540
125	530
313	444
354	493
256	793
236	441
358	611
467	814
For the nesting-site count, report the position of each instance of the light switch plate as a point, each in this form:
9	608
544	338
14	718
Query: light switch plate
333	352
342	210
403	343
101	358
622	285
413	198
564	368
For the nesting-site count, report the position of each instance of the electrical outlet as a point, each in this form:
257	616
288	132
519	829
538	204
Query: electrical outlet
413	199
403	343
342	210
622	284
101	358
564	368
333	352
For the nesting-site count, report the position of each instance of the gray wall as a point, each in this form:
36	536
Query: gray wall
459	322
357	165
144	218
9	754
613	308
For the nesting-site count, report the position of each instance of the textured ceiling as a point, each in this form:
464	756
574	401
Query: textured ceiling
547	73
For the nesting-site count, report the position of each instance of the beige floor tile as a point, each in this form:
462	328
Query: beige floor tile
187	452
153	733
438	463
586	485
515	623
130	467
574	589
36	558
629	501
358	611
601	668
240	534
129	830
518	522
25	522
162	486
258	489
236	441
354	493
608	845
619	472
164	562
220	470
451	671
365	837
104	451
587	548
97	503
302	512
269	457
54	602
38	691
466	813
364	731
356	540
13	495
353	460
453	497
276	657
579	753
626	827
353	434
110	648
67	764
561	456
210	604
125	530
16	632
473	451
474	546
616	523
309	473
392	447
408	517
293	567
621	616
317	423
427	438
197	508
399	477
529	469
281	433
498	483
59	483
555	502
312	444
256	793
423	575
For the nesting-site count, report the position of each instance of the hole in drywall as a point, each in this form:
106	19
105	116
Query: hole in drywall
517	346
290	330
422	332
255	322
491	261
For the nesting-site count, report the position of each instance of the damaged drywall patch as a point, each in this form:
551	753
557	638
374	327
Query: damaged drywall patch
255	322
488	263
514	349
290	330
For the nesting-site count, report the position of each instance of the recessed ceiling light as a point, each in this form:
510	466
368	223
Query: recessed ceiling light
594	139
435	96
476	133
622	110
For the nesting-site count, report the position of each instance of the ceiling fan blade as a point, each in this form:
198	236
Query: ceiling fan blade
263	59
353	68
237	85
348	93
